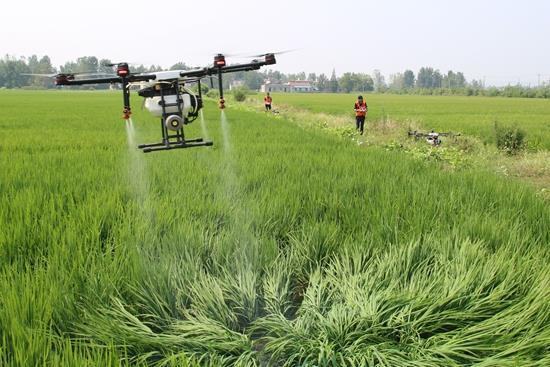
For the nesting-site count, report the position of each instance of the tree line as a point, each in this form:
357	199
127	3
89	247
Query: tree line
427	81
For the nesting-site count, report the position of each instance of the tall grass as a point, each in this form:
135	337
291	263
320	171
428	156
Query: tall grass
293	248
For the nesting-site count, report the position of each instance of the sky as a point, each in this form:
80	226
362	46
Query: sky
503	42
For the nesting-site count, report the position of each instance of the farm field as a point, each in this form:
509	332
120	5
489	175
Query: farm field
277	246
468	115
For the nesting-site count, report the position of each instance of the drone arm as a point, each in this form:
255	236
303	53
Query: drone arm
242	67
126	112
220	68
131	78
198	73
254	65
88	81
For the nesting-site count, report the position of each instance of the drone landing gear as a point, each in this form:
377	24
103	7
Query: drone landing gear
174	141
173	121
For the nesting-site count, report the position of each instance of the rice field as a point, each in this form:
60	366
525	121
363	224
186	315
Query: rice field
278	246
468	115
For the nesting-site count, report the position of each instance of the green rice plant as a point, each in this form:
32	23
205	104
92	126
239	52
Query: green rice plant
288	247
469	115
509	139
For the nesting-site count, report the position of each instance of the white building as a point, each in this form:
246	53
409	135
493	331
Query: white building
294	86
303	86
271	86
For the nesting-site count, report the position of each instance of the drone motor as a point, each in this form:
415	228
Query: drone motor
122	70
174	122
219	61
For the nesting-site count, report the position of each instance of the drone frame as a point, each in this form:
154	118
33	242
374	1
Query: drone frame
418	134
177	140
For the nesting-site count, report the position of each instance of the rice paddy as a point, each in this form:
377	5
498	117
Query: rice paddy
468	115
278	246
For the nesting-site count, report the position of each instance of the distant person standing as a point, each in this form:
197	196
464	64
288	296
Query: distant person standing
267	102
361	109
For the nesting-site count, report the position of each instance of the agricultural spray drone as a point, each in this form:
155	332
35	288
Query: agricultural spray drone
432	137
166	95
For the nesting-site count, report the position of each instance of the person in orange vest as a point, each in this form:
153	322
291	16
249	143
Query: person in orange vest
267	102
361	109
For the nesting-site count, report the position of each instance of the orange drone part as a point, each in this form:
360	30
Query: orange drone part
126	113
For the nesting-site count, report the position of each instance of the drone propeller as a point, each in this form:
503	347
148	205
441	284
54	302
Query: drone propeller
130	63
110	64
229	54
62	74
274	53
44	75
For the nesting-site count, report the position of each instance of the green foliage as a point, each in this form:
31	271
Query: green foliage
279	246
510	139
333	82
180	66
10	72
204	88
349	82
240	93
427	82
408	79
213	93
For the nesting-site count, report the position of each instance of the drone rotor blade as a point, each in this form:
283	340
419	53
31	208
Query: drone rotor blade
274	53
229	54
44	75
122	62
93	74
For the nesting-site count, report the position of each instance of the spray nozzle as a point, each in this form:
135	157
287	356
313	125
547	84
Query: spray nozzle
221	104
126	113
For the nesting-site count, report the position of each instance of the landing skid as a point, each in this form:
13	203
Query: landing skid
190	143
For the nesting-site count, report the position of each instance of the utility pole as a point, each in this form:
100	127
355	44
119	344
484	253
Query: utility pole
538	80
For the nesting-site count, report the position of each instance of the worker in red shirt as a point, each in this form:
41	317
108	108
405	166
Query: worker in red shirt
267	102
361	109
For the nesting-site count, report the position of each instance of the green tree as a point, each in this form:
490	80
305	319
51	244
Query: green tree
40	66
322	83
408	79
104	68
11	72
346	82
44	67
397	82
274	75
139	69
180	66
460	80
253	79
359	82
424	78
32	63
364	83
333	83
154	68
68	67
87	64
437	79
